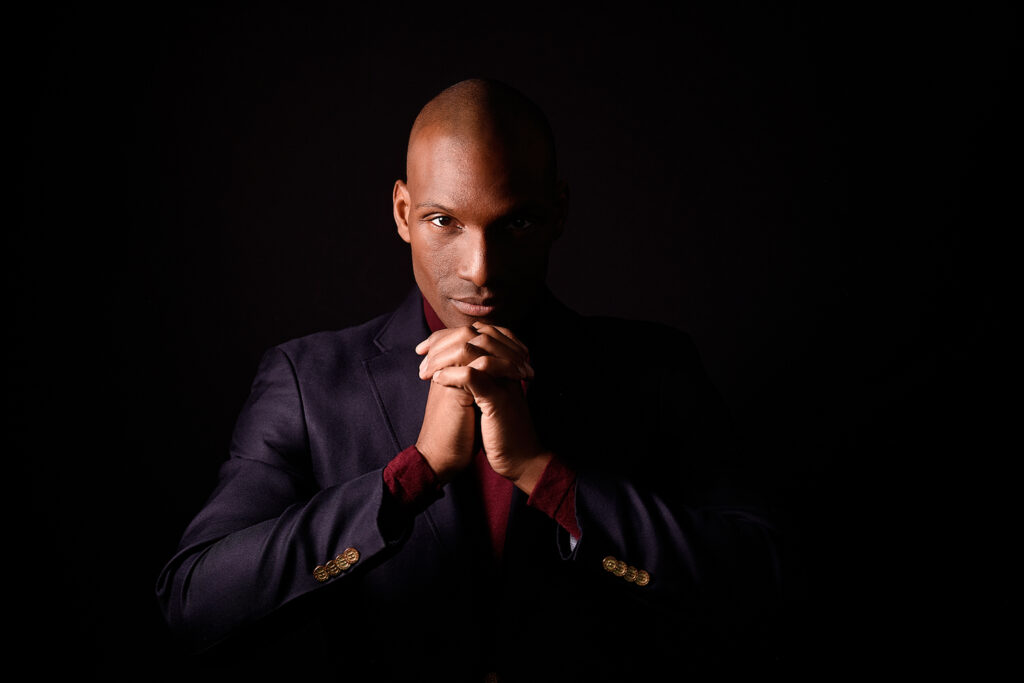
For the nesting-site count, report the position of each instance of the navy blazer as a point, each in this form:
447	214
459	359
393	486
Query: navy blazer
624	403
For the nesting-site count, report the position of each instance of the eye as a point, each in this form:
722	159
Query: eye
443	221
520	224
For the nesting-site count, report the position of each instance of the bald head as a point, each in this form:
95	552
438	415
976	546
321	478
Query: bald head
490	116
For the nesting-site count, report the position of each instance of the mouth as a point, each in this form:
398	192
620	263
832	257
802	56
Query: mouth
476	308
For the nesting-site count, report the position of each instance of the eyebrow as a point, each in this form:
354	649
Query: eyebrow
525	208
433	205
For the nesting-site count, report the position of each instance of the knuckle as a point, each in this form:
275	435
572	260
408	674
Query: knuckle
482	343
474	374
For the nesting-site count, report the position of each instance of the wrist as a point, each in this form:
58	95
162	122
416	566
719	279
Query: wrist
444	469
531	472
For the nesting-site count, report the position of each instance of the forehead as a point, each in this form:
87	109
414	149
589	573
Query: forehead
478	169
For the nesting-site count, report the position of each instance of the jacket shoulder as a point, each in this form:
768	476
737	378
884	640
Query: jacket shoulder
350	339
403	327
331	353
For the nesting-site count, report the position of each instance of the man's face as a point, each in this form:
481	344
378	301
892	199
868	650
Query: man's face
480	220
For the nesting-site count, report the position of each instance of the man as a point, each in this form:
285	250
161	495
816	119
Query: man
482	483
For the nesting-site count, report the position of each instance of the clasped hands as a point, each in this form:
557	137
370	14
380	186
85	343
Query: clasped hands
478	370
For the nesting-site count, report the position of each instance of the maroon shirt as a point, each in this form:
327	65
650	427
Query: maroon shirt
414	486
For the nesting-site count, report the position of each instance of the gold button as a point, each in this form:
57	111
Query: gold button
320	573
631	574
609	563
351	555
332	568
342	563
642	578
620	568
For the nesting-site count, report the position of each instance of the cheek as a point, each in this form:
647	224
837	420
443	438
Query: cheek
530	258
432	258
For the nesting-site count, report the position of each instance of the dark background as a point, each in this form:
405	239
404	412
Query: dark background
819	196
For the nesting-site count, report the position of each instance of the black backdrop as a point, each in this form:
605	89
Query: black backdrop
818	196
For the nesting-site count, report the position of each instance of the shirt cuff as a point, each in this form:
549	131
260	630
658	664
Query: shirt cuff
411	486
555	496
411	480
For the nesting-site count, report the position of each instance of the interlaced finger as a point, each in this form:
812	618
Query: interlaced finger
496	346
449	355
502	333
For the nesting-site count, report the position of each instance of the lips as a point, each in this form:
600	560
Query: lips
476	308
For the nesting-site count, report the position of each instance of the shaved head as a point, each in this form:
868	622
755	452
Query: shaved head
486	112
481	203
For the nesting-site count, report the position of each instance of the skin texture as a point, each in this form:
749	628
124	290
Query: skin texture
480	209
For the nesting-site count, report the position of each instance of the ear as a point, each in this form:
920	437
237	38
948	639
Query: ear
400	202
561	207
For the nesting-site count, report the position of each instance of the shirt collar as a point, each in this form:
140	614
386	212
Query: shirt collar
433	322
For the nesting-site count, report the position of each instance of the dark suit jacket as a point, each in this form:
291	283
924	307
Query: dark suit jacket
624	403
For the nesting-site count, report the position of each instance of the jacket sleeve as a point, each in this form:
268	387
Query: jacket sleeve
251	548
668	520
709	565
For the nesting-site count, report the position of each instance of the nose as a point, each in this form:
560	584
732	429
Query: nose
476	258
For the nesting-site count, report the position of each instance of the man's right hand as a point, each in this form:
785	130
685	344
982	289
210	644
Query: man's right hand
449	430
